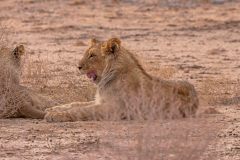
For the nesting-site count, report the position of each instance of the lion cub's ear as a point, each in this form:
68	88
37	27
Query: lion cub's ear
18	51
93	41
111	46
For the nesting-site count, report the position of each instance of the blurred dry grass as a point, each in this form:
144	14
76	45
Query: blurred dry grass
152	141
55	82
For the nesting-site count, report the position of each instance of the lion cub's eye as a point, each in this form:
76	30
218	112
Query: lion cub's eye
92	55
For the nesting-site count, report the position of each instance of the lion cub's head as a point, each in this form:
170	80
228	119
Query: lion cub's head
10	61
98	57
12	57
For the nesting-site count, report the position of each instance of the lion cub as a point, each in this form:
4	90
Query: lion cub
125	90
16	100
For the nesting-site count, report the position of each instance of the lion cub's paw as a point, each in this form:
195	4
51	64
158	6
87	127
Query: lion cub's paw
58	117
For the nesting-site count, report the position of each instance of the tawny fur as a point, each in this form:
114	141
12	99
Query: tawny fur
16	100
125	90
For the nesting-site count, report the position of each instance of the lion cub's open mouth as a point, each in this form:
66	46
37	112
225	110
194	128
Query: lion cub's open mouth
92	75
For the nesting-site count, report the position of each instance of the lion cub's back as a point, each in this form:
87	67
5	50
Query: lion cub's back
180	96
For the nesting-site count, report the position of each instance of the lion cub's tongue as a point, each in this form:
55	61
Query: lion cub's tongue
92	75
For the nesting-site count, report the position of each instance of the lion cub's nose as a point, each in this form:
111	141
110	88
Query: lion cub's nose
79	67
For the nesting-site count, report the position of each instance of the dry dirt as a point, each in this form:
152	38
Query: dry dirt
198	41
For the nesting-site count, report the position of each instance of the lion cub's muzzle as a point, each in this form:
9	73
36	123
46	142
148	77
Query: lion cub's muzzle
81	70
90	74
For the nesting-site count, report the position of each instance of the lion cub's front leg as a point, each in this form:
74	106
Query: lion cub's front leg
69	106
58	116
75	113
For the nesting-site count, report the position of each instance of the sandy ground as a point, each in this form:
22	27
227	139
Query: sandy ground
199	42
